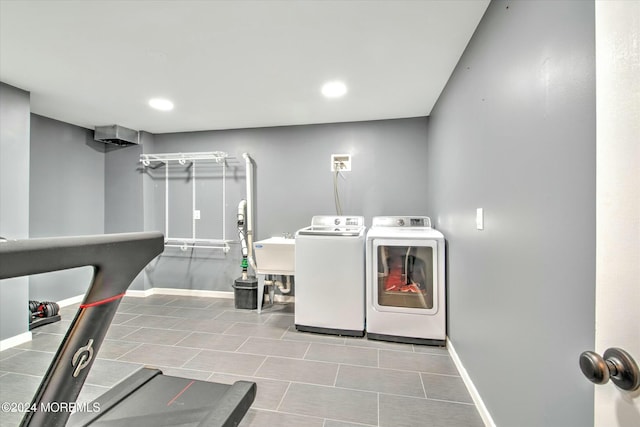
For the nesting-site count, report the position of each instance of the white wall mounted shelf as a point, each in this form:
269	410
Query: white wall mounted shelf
204	159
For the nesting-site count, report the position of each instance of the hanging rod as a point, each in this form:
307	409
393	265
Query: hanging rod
186	243
182	158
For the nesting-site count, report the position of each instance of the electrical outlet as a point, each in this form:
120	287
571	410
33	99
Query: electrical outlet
196	214
480	219
341	162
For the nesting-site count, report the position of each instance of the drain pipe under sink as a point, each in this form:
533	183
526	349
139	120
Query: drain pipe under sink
285	287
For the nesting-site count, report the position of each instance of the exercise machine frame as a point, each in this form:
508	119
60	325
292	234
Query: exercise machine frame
117	259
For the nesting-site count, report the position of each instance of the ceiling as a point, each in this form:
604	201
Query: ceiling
231	64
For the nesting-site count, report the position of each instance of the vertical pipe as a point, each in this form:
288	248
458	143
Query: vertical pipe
249	175
166	200
242	209
193	199
224	198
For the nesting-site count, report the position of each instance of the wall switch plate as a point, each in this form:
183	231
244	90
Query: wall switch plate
341	162
480	219
196	214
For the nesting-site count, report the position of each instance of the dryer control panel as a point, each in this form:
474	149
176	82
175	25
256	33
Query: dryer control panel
401	221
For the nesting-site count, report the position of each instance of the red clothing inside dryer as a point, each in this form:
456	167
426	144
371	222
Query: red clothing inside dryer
411	288
394	280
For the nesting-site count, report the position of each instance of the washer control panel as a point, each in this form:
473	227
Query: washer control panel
337	221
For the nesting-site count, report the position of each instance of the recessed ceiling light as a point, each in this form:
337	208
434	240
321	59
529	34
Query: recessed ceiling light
161	104
334	89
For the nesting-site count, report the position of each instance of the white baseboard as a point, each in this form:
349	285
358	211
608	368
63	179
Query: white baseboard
482	409
26	337
199	293
162	291
140	294
15	340
177	292
71	301
181	292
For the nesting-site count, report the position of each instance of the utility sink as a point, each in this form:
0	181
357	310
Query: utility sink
275	255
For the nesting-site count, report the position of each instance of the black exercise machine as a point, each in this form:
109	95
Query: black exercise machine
146	398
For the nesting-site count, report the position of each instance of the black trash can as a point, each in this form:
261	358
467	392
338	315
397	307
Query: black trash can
246	293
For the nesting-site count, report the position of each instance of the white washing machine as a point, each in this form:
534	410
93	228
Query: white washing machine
330	276
406	281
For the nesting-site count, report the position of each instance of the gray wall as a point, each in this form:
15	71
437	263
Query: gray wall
293	183
14	201
514	133
79	186
67	197
124	204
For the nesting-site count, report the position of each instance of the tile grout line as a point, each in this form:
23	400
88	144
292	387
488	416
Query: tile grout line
358	390
304	356
135	316
318	417
246	340
288	336
255	372
179	341
352	423
122	338
283	334
126	352
276	411
283	396
452	401
190	359
378	409
424	388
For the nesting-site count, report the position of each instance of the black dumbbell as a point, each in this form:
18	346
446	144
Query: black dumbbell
45	309
33	306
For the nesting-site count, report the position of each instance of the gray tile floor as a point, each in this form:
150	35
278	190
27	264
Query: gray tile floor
304	380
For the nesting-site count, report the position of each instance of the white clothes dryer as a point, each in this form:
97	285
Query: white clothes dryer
330	276
405	281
